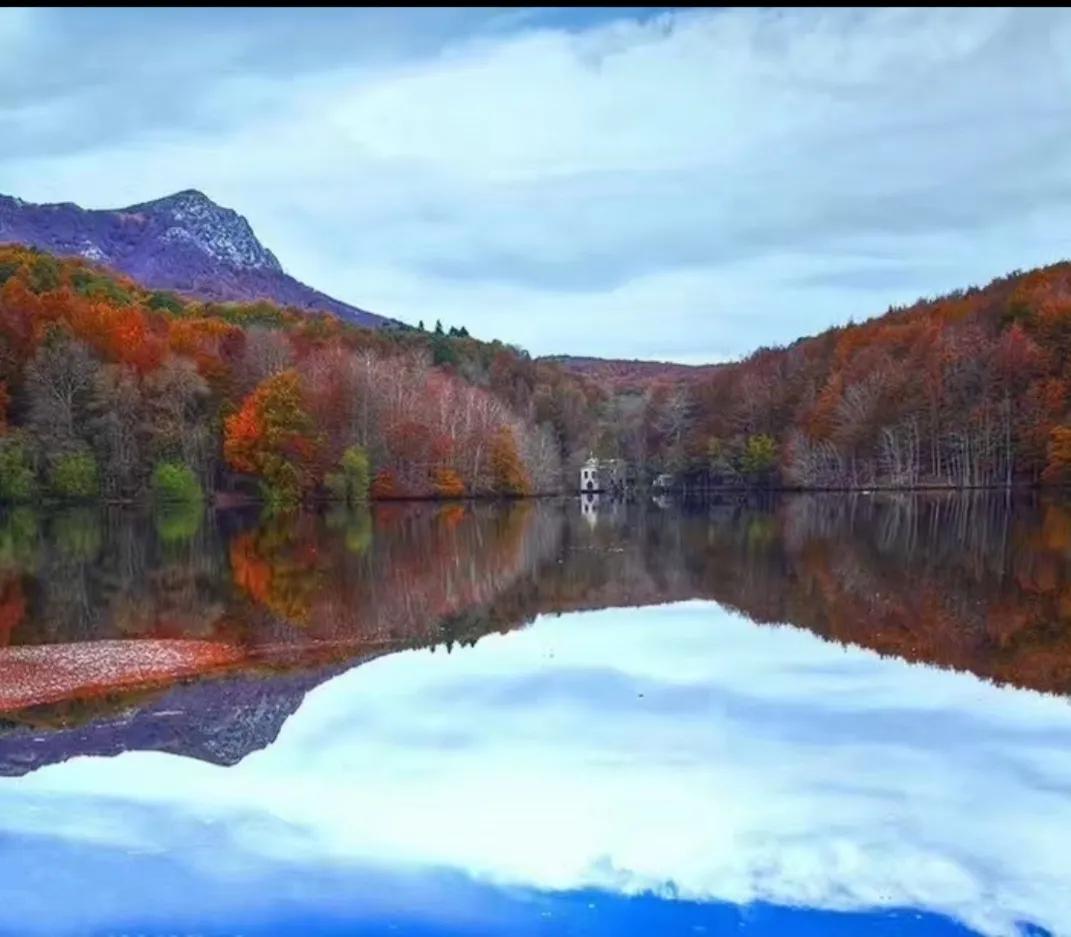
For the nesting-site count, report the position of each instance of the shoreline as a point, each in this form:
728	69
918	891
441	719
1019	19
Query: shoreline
230	502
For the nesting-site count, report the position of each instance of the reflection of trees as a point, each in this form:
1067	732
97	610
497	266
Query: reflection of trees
385	578
965	581
277	564
177	522
969	582
91	574
12	606
355	524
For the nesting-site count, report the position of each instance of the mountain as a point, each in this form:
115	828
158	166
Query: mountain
184	242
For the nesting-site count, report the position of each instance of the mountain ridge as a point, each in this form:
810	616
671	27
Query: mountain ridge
184	242
624	374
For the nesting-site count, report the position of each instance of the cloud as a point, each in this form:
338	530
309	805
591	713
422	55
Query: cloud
760	764
537	177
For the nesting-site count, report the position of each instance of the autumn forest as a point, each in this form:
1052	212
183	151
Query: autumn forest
109	390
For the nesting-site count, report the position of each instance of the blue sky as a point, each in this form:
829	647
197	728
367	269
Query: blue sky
677	185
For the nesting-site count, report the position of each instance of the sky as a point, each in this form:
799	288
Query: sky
676	750
676	185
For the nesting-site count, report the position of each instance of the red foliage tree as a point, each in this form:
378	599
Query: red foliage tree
271	436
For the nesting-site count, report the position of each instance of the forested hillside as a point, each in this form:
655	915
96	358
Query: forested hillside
971	389
968	390
110	389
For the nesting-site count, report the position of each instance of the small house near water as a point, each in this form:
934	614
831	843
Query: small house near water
602	476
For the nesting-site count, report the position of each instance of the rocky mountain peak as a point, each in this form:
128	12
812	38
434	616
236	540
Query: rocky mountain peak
184	242
191	217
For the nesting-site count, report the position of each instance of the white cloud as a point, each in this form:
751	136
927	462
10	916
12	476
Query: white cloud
760	764
540	184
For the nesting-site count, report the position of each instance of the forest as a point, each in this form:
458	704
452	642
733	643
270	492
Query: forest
968	390
109	390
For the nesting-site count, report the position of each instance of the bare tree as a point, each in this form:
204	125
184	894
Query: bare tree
674	418
118	429
267	352
59	385
176	416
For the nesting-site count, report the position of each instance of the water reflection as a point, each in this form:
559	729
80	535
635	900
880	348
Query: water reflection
971	583
764	779
678	752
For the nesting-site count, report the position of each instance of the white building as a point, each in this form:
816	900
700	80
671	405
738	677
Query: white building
602	475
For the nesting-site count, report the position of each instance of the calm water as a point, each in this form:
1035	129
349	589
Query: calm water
817	715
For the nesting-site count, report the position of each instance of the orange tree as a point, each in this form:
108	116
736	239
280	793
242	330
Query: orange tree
507	469
448	483
272	437
1058	468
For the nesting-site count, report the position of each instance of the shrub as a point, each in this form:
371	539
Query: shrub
75	476
175	482
448	483
384	485
95	286
356	474
760	458
44	274
162	301
335	483
17	480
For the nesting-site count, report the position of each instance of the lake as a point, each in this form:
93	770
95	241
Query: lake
818	715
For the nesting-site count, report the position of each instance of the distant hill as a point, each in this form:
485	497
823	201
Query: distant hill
619	374
184	242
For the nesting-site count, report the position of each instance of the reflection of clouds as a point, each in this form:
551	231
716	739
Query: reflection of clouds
758	764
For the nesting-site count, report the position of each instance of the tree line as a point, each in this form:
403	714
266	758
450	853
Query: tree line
968	390
108	389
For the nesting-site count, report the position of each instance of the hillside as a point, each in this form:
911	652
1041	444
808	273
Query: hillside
630	375
184	242
104	384
970	389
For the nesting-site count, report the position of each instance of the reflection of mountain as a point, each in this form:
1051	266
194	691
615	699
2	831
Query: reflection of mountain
217	720
98	631
266	610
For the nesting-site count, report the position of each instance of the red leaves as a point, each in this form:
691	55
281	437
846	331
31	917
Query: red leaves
244	434
384	486
510	476
20	312
448	483
1058	466
271	436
